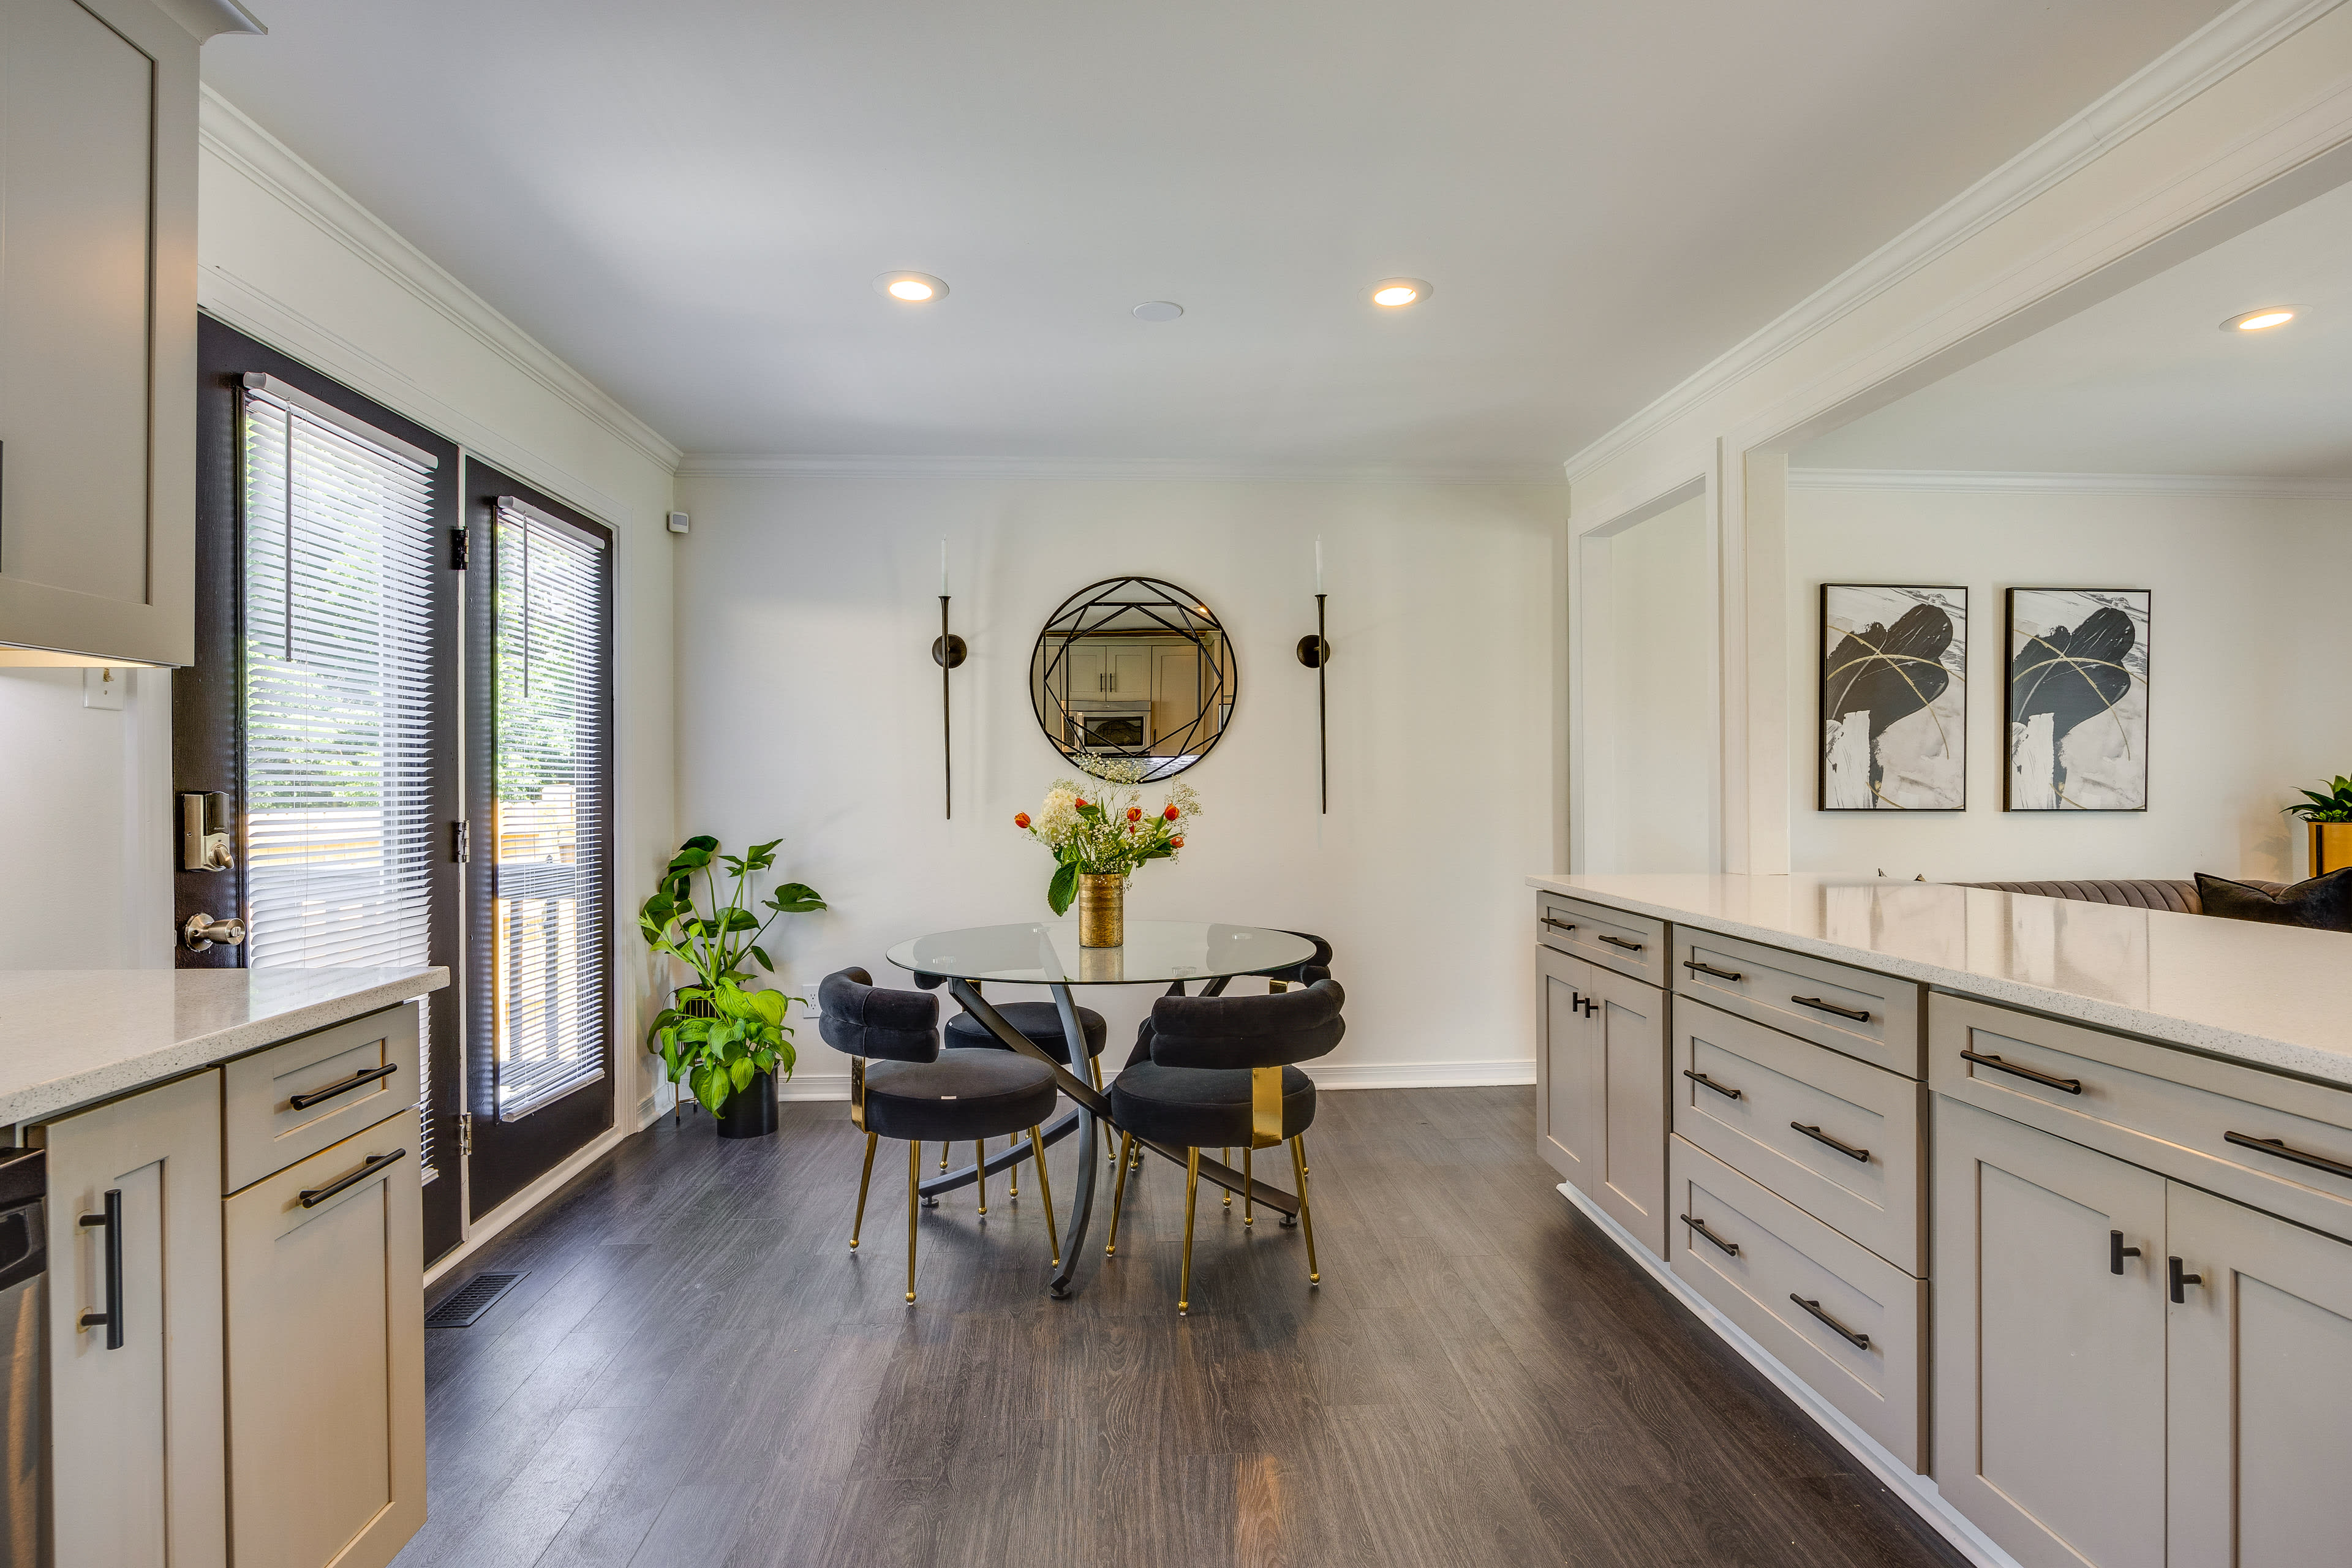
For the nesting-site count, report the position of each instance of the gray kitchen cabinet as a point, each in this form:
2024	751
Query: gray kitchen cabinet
2259	1375
98	332
2049	1344
136	1404
1601	1090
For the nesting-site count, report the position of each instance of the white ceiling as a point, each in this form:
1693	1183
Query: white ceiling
689	201
2143	381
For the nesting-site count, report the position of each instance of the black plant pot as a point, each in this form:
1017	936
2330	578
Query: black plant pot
750	1112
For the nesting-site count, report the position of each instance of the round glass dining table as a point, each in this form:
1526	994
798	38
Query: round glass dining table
1174	953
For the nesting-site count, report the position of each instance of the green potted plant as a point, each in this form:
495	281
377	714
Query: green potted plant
723	1039
2328	819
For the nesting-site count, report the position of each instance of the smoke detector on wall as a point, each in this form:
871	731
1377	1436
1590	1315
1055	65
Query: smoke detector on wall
677	523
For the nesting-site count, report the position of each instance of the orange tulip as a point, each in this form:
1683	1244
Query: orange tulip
1134	814
1020	819
1169	814
1177	842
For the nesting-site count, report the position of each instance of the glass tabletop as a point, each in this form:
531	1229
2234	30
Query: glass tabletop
1156	953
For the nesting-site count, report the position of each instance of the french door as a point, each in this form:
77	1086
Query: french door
402	695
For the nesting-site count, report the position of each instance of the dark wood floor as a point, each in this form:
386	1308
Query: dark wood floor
698	1372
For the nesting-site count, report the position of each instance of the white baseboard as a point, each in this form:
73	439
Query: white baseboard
478	1234
1340	1075
1925	1498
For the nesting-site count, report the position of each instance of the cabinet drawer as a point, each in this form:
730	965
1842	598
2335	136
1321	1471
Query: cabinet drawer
338	1074
1757	1088
1873	1018
2192	1118
1628	943
1768	1258
326	1356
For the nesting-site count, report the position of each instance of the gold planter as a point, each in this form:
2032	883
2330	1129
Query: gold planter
2331	846
1102	910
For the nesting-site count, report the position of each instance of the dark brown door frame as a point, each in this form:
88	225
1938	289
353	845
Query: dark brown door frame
507	1156
207	734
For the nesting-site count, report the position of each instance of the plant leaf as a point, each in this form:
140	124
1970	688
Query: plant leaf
761	954
740	1072
1063	891
795	899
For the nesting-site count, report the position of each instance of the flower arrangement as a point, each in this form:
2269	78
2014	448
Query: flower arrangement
1105	832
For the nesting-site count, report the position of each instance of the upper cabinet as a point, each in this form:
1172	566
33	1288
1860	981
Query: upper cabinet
98	332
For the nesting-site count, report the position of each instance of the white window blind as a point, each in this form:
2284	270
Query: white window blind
337	690
551	766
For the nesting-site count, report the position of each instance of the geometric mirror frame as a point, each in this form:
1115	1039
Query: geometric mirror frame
1133	679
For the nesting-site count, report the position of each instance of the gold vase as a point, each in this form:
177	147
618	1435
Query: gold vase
2331	846
1102	910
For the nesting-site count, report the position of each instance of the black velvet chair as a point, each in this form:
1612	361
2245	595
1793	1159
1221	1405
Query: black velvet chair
1305	973
1040	1023
1218	1072
903	1085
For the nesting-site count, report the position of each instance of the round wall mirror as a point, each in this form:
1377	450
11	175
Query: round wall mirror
1133	680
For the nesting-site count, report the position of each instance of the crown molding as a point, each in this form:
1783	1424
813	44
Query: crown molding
780	465
2207	55
2247	487
229	134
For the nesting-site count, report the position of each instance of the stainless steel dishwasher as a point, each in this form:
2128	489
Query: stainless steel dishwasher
25	1344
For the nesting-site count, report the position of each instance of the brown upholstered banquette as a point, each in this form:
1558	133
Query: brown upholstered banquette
2138	893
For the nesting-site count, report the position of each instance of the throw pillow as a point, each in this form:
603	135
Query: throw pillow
2323	903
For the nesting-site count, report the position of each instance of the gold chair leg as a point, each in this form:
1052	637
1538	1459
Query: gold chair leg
1045	1188
1013	1171
1246	1218
864	1177
943	1153
914	1192
1302	1155
979	1154
1117	1193
1192	1185
1226	1156
1306	1218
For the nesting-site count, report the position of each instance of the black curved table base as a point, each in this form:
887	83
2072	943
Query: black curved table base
1092	1115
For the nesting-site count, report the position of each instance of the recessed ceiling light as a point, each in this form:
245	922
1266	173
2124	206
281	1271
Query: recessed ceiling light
910	288
2260	320
1158	310
1396	294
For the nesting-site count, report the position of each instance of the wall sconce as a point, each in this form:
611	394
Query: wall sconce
1315	653
948	652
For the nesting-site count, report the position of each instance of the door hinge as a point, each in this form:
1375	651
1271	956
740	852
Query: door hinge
461	842
458	549
464	1132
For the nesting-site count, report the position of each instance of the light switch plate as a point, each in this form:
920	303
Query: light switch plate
104	687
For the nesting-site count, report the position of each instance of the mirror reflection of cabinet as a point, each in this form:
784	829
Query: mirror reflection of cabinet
1133	668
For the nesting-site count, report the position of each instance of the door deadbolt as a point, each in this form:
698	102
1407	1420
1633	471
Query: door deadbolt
203	832
202	930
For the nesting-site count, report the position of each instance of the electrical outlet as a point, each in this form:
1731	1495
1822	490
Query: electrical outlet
104	688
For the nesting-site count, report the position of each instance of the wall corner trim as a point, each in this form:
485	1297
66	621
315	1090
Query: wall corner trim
229	134
2229	41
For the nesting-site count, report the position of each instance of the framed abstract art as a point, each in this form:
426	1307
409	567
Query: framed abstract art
2077	702
1893	698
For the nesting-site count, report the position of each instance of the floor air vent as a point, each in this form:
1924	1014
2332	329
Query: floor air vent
464	1306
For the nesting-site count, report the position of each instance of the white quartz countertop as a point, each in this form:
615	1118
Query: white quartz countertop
2278	997
68	1036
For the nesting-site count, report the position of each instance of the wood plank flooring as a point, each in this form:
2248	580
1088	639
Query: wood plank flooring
698	1372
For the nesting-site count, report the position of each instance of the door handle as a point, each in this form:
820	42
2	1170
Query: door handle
1818	1136
2117	1252
2069	1085
2176	1278
1730	1247
313	1196
1859	1342
1859	1014
1693	965
202	930
112	1319
1706	1082
365	1075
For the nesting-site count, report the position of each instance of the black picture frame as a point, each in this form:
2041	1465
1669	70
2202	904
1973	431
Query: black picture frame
2142	646
1831	791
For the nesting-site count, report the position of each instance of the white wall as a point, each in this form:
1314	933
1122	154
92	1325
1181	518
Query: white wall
2246	644
809	707
1653	721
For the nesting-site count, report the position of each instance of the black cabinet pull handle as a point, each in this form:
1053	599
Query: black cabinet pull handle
1693	965
2071	1085
2177	1278
365	1075
1558	925
1592	1006
1859	1342
1818	1136
1706	1082
1857	1014
2300	1156
1621	941
1730	1247
313	1196
2117	1252
112	1319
